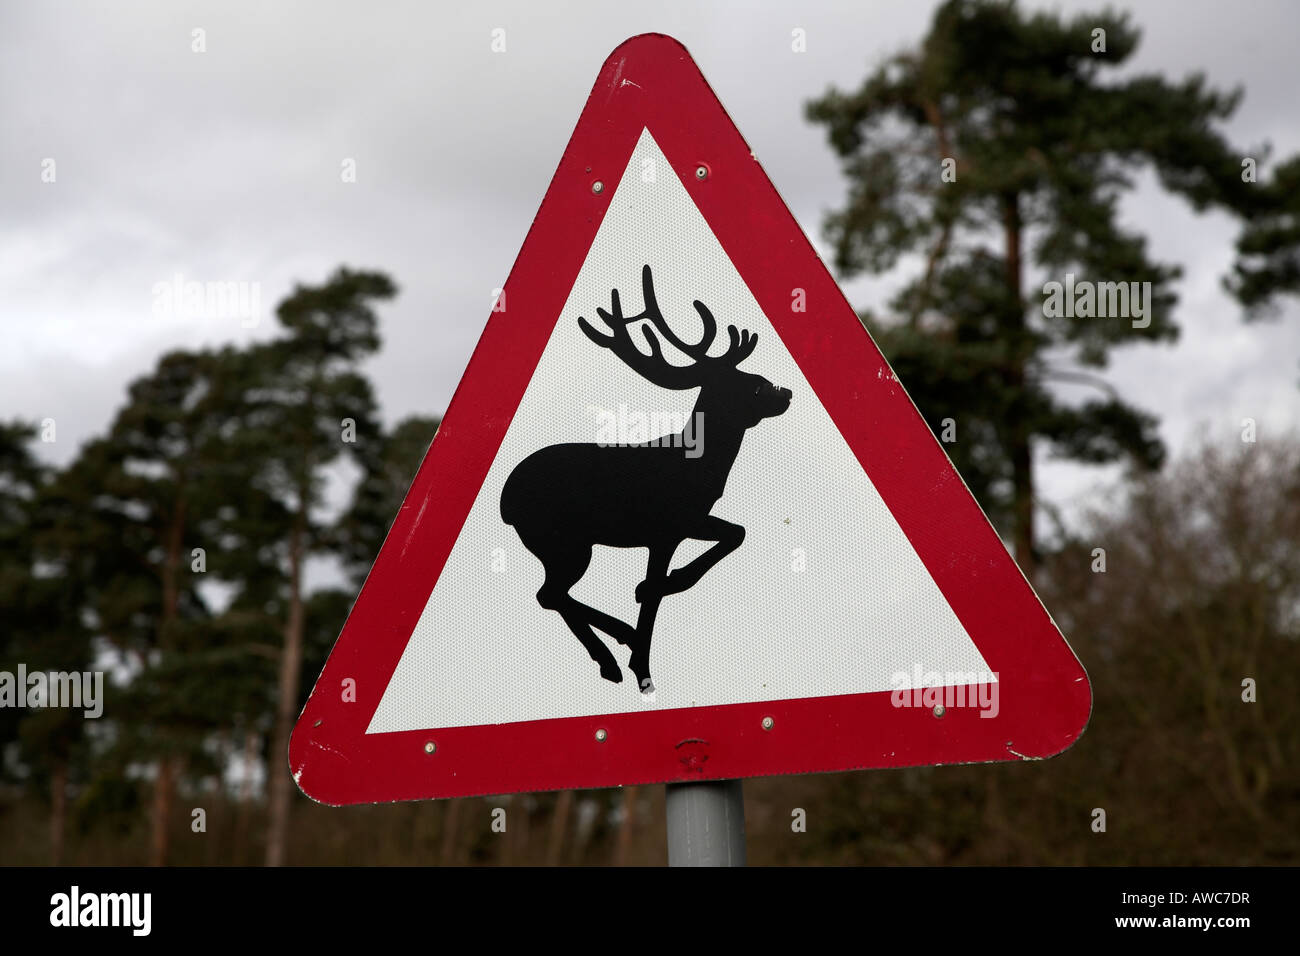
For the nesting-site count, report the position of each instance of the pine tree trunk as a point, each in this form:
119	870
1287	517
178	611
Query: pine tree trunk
626	826
166	779
290	666
1022	464
450	831
162	809
559	828
58	811
506	841
1019	437
1023	467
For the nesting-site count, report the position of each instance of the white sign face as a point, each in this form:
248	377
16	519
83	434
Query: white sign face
824	596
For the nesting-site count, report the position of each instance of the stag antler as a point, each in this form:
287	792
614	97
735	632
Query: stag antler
654	366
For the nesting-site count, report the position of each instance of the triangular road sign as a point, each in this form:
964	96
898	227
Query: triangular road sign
672	375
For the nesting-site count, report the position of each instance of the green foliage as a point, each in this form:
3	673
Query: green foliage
378	497
177	540
1045	139
303	385
1268	262
43	629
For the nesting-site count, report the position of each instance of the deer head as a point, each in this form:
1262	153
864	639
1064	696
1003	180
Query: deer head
743	397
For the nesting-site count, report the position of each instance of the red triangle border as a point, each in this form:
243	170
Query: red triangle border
650	81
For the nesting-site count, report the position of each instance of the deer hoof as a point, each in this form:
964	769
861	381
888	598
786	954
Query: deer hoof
647	686
611	673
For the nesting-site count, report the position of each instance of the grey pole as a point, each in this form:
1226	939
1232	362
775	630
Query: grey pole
706	823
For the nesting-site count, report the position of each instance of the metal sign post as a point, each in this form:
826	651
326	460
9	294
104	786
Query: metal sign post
706	823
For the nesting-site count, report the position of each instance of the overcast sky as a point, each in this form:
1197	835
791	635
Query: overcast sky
225	166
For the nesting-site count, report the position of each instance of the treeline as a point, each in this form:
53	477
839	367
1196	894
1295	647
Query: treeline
170	552
1182	599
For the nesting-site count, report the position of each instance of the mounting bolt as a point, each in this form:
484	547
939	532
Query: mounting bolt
598	187
939	710
430	746
701	172
601	735
768	723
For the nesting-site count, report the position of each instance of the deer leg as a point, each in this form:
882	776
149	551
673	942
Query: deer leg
563	569
649	593
625	634
728	537
595	647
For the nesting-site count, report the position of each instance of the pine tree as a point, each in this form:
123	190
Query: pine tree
996	147
308	405
133	508
43	630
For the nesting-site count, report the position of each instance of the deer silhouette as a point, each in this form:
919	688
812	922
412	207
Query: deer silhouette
564	499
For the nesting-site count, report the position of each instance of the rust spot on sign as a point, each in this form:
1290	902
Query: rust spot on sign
693	752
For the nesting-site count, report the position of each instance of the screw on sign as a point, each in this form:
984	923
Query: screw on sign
644	476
